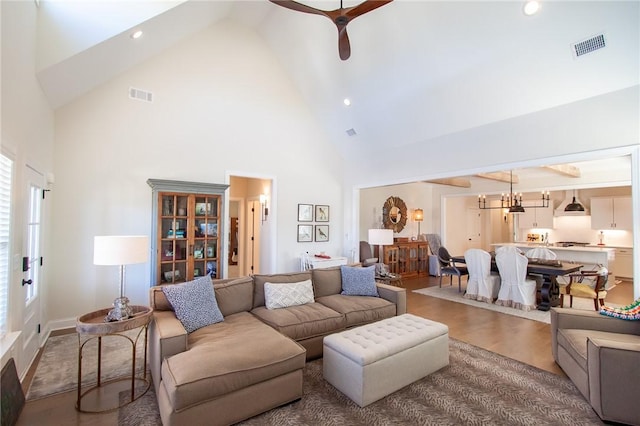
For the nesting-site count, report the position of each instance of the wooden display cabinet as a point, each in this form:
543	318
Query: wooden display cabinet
187	230
409	259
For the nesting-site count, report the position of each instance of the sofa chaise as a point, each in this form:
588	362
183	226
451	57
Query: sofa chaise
252	361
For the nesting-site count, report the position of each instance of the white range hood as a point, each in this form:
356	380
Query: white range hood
568	199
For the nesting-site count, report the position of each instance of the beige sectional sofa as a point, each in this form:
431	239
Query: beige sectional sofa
253	360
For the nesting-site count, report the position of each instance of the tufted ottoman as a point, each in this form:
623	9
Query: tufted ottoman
372	361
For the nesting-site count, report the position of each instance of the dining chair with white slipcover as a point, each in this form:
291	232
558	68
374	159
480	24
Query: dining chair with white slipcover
516	290
482	285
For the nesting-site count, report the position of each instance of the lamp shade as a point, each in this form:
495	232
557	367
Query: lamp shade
120	249
381	237
418	215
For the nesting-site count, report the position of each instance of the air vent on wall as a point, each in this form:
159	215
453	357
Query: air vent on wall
589	45
351	132
141	95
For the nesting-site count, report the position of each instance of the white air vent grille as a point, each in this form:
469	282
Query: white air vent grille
141	95
351	132
589	45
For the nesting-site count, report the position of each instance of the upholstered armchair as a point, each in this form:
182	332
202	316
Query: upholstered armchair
601	356
366	254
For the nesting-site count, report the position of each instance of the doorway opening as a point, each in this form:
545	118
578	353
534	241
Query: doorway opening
247	234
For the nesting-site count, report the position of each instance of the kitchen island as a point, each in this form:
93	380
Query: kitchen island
589	256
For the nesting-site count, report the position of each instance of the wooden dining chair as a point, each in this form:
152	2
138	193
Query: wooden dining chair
578	287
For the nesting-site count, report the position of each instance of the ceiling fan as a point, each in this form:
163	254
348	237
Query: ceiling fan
341	17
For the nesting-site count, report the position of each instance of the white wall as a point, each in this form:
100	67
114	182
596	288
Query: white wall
415	195
27	137
221	103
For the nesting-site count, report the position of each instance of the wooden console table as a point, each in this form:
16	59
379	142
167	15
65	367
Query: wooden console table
105	396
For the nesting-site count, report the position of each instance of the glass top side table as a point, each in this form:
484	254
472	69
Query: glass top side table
107	395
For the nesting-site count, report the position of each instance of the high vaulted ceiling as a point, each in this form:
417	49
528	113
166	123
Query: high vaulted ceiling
418	69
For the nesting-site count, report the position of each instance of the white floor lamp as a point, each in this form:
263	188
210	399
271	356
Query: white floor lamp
120	250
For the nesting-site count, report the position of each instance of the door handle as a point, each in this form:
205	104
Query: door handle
26	282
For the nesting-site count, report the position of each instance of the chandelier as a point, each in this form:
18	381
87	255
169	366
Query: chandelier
512	201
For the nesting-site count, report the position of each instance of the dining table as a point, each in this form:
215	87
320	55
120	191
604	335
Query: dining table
550	270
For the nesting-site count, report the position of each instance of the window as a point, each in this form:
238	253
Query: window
6	175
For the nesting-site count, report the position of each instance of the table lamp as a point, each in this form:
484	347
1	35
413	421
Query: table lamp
418	216
120	250
380	237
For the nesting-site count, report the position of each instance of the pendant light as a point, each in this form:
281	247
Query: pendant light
574	206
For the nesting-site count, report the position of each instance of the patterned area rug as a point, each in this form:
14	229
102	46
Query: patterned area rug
477	388
451	293
57	370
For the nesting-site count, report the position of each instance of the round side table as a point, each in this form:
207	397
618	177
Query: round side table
105	395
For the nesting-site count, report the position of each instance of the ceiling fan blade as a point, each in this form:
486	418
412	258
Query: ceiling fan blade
344	47
299	7
364	7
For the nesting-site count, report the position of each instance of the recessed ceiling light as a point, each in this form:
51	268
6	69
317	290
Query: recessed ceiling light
531	7
347	101
136	34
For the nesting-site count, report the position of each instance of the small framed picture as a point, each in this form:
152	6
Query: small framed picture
305	233
305	212
322	213
322	233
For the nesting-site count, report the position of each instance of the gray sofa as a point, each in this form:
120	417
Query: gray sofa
601	356
253	360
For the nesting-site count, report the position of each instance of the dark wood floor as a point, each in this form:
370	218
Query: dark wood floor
521	339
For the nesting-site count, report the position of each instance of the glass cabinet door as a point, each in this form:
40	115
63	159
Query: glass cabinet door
174	246
205	236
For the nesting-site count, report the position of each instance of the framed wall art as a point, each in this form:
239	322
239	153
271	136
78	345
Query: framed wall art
322	233
305	233
322	213
305	212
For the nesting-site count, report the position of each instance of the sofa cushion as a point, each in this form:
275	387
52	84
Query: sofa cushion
326	281
574	341
358	281
359	310
234	295
283	295
302	322
228	356
194	303
259	280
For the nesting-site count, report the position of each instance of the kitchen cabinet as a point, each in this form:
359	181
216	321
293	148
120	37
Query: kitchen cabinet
611	213
623	263
186	230
536	218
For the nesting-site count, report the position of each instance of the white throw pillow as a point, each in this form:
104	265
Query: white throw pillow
283	295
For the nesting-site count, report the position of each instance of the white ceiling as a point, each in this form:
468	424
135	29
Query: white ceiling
418	69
